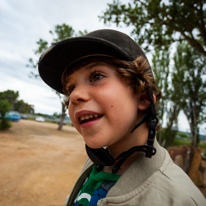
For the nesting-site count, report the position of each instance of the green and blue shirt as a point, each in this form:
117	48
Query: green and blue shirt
95	187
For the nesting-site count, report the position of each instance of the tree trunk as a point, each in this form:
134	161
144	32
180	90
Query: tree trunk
195	126
62	117
173	120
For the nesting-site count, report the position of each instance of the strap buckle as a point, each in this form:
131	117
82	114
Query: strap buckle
150	151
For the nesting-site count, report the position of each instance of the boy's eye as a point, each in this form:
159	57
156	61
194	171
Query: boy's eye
96	76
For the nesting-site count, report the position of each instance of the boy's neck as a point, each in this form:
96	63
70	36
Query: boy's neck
139	136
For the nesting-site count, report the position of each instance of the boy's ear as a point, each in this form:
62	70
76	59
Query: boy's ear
144	102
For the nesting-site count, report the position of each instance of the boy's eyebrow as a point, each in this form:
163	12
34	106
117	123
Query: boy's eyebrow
93	64
87	67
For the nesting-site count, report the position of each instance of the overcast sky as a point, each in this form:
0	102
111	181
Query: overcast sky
23	23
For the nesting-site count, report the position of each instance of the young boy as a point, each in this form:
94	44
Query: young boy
111	101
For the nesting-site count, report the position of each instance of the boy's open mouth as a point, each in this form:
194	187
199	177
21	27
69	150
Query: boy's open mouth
91	117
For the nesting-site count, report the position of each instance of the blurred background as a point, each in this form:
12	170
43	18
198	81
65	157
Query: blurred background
172	33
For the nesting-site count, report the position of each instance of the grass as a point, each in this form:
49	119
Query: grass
203	147
49	121
178	142
202	144
31	118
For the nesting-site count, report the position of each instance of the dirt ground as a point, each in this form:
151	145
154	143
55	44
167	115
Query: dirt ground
39	164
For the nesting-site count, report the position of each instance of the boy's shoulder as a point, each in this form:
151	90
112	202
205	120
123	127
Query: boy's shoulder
88	165
174	186
175	183
156	181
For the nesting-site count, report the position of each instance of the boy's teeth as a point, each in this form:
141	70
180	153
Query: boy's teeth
82	118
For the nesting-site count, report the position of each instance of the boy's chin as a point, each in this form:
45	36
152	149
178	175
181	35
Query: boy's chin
94	146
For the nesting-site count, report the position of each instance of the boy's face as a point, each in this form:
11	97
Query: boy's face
102	107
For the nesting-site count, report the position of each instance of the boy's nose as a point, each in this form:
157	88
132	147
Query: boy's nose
79	94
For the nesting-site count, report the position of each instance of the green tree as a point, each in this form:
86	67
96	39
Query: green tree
156	24
159	23
189	77
4	108
56	115
15	104
168	109
22	107
60	32
11	96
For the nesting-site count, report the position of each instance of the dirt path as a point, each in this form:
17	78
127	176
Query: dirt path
39	165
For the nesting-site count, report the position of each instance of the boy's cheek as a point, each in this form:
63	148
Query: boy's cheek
76	125
71	112
74	122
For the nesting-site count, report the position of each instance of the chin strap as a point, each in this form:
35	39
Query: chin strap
103	158
125	155
153	120
146	118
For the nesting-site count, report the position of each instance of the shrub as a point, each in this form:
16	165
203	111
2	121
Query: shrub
4	124
183	135
4	108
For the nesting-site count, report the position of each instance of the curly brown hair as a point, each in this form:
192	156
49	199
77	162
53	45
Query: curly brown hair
137	74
